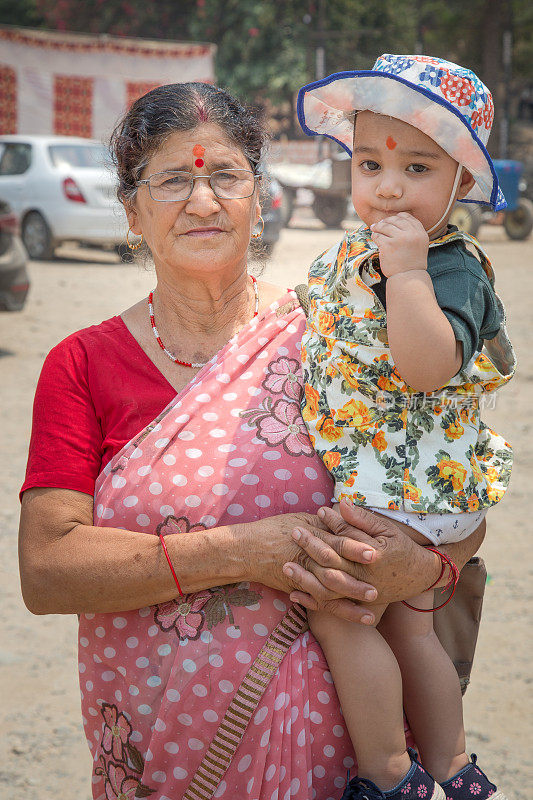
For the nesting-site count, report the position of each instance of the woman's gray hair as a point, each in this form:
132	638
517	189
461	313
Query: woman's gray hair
179	107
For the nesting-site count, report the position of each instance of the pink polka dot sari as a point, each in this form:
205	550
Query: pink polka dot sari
156	682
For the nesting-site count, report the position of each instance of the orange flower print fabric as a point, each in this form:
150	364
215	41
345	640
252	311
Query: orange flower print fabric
385	444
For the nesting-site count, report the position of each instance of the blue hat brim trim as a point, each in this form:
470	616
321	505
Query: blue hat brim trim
493	203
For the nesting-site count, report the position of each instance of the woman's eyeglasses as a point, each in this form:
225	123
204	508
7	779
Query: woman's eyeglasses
227	184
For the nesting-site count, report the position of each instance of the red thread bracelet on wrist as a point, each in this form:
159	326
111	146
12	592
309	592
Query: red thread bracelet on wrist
162	540
445	561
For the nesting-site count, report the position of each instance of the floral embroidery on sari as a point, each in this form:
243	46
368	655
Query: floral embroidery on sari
186	615
172	524
120	784
284	377
116	733
280	422
223	598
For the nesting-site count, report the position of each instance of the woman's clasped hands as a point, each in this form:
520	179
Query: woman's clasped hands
358	559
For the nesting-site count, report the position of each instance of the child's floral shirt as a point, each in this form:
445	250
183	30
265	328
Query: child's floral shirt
385	444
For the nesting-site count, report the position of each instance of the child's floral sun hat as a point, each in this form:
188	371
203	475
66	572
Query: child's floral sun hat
446	102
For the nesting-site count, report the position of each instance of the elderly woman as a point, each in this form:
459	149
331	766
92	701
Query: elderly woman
175	430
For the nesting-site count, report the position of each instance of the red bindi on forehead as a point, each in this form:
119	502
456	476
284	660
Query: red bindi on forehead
391	143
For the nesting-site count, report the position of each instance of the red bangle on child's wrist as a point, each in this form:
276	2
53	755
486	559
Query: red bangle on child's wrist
445	561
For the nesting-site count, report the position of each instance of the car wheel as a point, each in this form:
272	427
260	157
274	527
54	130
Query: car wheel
124	253
518	223
330	210
288	201
37	237
467	218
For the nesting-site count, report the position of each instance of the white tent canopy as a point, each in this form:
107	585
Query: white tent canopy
53	82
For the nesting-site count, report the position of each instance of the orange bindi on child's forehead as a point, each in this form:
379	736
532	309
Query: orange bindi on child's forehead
391	143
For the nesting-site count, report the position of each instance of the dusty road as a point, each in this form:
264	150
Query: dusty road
43	755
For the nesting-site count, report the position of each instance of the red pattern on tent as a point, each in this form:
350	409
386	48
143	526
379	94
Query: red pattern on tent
85	43
136	89
8	100
73	105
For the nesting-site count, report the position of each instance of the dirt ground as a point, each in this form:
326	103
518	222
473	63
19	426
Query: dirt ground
43	754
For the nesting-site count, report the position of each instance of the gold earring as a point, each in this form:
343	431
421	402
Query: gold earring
137	244
258	235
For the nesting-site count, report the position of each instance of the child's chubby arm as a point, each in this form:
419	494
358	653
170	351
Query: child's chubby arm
422	342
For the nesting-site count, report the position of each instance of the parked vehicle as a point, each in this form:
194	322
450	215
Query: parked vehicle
329	181
14	280
271	208
467	218
62	188
517	218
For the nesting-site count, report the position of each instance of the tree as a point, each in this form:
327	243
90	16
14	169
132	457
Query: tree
20	12
159	19
266	48
261	45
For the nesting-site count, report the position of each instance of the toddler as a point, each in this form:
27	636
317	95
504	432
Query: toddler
405	337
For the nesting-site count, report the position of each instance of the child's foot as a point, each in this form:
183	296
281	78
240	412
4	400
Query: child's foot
470	783
416	785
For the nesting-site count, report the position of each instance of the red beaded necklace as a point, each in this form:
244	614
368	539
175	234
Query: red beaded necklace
160	341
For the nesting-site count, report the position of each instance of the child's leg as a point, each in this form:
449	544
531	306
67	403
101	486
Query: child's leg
368	681
431	689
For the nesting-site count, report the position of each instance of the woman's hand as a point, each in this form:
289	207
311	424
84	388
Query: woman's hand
399	568
273	543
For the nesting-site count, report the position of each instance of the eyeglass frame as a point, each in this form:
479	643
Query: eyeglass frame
194	178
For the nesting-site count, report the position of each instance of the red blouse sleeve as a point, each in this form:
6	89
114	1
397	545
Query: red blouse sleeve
66	441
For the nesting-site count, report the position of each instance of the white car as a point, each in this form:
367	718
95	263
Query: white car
62	188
